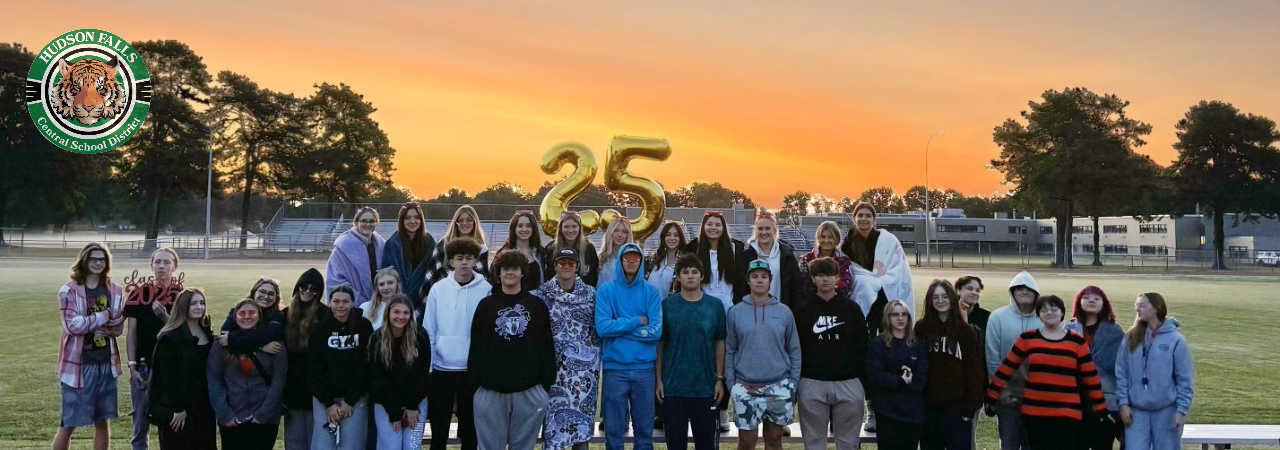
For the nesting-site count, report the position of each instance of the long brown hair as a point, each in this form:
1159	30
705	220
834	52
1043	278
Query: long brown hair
80	271
932	321
1138	334
182	309
660	253
413	246
886	326
853	246
388	344
724	251
578	245
477	232
301	318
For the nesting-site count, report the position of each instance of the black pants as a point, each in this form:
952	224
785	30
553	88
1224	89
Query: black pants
250	436
945	428
679	414
1051	433
896	435
449	389
1101	434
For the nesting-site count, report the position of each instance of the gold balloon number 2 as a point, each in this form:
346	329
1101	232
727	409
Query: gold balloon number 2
616	177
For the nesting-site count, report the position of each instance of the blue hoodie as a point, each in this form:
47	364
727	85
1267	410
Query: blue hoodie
619	305
1170	376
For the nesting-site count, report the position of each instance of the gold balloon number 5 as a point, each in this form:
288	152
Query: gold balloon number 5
616	177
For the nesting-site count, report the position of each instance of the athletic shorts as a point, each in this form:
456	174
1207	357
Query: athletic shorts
771	402
95	401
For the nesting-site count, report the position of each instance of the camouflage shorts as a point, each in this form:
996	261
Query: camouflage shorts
771	402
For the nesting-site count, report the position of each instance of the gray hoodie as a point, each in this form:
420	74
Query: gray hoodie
762	346
1166	367
1008	322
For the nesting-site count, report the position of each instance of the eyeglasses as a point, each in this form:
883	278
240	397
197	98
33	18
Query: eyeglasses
93	259
266	292
367	222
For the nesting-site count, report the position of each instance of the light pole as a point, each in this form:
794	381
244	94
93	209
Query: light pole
927	213
208	205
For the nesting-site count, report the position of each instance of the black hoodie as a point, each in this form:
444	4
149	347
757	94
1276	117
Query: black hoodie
833	338
337	356
297	395
400	386
512	348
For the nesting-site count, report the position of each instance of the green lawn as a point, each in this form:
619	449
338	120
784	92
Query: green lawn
1226	318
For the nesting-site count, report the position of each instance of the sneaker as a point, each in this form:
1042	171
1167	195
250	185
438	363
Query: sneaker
724	422
870	426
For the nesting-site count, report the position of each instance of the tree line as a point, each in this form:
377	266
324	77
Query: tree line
1071	153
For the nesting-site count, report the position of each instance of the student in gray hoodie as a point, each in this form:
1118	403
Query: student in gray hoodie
1003	328
762	361
1155	381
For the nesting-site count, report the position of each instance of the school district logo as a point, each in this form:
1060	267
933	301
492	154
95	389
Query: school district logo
88	91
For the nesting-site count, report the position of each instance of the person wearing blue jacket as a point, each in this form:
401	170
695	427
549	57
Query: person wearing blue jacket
629	322
409	250
1094	318
897	371
1155	381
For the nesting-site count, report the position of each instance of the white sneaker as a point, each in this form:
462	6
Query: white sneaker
724	421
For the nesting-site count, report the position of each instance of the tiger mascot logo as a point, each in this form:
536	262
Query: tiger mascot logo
88	91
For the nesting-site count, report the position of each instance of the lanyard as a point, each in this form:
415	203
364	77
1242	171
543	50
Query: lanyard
1146	350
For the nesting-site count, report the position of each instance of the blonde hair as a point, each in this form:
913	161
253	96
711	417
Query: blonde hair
886	333
387	345
827	226
477	232
607	248
377	295
764	215
579	243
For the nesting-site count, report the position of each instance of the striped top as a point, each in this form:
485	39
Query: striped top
1059	374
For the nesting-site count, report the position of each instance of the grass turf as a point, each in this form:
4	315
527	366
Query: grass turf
1226	319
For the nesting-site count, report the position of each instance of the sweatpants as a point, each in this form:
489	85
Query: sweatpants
351	431
827	405
407	438
1009	425
893	434
509	421
945	428
1150	430
297	429
1052	433
141	425
250	436
679	414
450	390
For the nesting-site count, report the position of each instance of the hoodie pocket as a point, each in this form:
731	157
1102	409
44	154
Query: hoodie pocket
452	352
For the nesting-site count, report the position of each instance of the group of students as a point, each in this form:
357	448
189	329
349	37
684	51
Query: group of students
418	331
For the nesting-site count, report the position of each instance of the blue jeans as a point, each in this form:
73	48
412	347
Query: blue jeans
623	390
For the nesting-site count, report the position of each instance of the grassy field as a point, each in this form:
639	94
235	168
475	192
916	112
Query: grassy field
1227	319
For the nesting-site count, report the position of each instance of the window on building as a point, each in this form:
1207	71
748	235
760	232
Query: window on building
1046	230
1086	248
1116	249
1044	246
1115	229
1017	230
1237	252
1153	228
1154	250
898	227
1082	229
962	228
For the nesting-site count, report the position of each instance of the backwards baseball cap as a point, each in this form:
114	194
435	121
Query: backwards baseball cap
567	253
758	264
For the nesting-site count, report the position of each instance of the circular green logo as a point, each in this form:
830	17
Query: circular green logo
88	91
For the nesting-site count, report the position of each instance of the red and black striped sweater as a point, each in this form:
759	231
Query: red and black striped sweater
1059	374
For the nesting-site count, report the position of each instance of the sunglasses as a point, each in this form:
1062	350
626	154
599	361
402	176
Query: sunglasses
758	264
309	287
97	260
566	263
247	313
631	257
713	213
569	214
413	205
523	212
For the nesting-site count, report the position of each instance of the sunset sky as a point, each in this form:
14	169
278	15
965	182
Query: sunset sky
767	97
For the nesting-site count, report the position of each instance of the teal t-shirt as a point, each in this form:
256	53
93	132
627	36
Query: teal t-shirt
689	334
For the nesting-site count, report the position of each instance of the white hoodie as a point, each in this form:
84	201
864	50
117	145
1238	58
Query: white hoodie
449	310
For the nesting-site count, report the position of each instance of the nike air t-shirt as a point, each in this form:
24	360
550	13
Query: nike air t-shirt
833	338
689	334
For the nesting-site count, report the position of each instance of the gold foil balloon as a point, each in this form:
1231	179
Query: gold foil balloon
617	178
554	204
